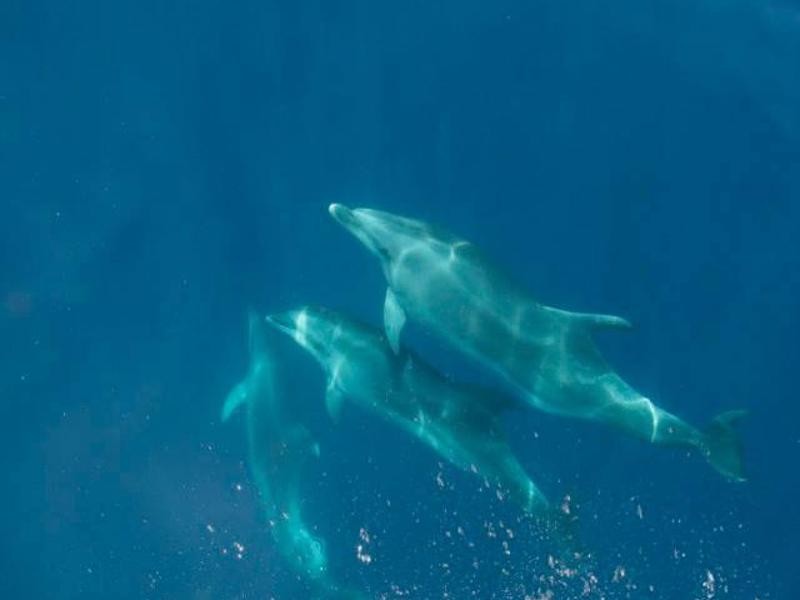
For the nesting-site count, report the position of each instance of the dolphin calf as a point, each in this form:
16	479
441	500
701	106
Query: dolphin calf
280	448
547	354
459	422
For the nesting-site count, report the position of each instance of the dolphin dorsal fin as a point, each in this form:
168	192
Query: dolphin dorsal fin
394	317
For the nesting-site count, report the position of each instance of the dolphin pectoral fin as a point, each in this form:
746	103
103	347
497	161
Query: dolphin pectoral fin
333	402
394	317
235	398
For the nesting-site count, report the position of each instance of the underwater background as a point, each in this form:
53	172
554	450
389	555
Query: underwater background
164	166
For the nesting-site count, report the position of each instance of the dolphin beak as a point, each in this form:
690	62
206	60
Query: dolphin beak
284	322
355	222
343	215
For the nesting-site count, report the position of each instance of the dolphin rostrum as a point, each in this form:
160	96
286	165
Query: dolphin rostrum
280	448
547	354
459	422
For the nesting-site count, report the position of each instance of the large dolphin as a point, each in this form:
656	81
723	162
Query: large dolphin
280	448
547	354
459	422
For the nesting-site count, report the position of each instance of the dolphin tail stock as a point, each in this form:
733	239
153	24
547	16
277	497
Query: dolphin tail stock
722	444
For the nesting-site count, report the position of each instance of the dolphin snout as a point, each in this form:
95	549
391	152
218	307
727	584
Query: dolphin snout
283	321
342	214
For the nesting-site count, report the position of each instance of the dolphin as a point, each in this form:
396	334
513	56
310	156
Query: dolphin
280	448
457	421
545	353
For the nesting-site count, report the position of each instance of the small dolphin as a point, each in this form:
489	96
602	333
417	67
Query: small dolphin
280	448
459	422
547	354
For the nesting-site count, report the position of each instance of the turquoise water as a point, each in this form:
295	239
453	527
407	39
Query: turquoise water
167	167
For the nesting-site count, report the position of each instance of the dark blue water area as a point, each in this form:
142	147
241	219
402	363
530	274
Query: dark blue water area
164	166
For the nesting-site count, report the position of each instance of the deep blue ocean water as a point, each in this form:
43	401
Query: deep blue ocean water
164	166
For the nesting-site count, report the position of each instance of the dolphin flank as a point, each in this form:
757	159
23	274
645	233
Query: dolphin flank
547	354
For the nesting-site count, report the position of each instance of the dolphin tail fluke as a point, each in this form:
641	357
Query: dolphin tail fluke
723	446
565	542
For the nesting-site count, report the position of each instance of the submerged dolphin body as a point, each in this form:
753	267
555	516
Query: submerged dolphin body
280	448
548	354
458	422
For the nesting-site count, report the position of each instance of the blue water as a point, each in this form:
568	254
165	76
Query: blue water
166	165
